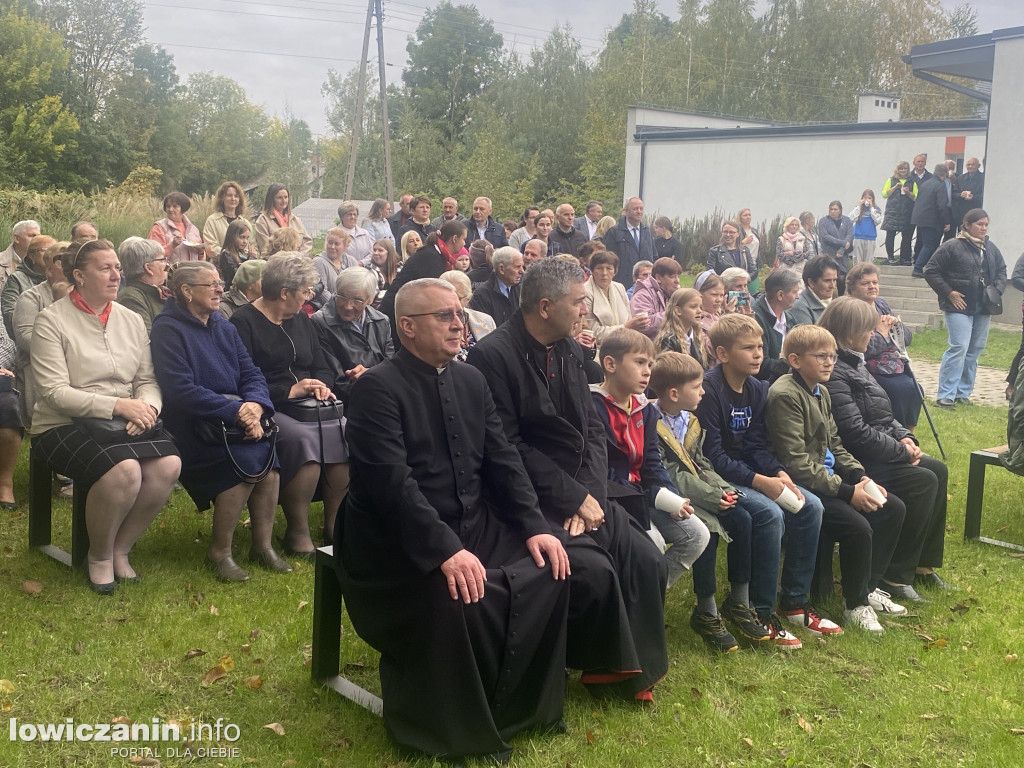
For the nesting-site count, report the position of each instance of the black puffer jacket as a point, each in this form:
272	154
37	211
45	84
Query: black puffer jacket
863	414
955	266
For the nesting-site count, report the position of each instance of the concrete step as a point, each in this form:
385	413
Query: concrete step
890	291
917	320
917	305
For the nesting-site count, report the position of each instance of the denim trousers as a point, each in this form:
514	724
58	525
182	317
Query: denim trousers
967	337
757	526
686	540
928	238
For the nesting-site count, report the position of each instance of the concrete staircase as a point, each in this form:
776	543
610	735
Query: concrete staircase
910	297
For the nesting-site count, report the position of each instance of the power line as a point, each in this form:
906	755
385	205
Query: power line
261	53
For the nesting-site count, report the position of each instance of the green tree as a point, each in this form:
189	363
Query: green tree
289	145
452	59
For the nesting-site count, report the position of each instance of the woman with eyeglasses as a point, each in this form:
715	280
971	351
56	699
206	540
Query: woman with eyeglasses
91	358
888	451
354	335
283	342
731	253
145	274
205	372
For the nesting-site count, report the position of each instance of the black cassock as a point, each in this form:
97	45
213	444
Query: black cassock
433	473
616	612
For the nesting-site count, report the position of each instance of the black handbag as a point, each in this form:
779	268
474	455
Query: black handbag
991	298
113	431
214	431
311	410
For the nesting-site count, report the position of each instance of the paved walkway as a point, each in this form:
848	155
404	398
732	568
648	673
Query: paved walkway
989	386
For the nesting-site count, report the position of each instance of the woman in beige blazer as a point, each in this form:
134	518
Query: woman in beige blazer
607	305
90	358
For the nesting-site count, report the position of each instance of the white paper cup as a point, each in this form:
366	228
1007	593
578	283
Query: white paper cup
669	502
789	501
871	489
640	314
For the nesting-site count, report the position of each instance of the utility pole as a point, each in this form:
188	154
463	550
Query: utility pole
385	125
360	98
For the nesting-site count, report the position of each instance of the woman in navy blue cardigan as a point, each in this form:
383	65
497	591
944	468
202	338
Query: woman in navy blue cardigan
199	358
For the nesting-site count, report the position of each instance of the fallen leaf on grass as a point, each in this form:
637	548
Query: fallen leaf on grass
276	728
213	610
302	604
925	637
8	551
31	587
1004	528
6	686
1016	555
1017	731
591	738
213	674
246	648
5	706
929	716
960	608
750	688
749	741
254	634
145	762
678	719
227	662
194	652
937	644
942	688
804	724
121	720
1010	658
254	682
696	693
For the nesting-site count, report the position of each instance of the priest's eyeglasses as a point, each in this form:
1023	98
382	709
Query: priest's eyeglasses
445	316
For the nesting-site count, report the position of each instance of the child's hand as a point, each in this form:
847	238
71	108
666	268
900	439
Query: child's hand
769	486
785	478
684	511
728	501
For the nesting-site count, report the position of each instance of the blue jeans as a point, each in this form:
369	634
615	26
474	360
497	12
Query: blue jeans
929	238
967	337
755	525
686	540
801	543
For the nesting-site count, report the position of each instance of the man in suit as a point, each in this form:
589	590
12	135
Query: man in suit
588	224
631	240
971	191
499	296
932	215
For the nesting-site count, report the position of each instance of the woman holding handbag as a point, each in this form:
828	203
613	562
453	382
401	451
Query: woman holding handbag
283	343
95	417
969	275
209	379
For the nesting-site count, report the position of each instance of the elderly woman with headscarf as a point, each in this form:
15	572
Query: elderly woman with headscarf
245	288
145	273
361	240
282	341
206	374
354	335
277	214
91	358
791	248
178	236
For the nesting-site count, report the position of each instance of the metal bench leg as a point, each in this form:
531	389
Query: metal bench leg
975	497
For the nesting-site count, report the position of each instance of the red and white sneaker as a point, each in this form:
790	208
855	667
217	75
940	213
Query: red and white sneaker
805	617
778	636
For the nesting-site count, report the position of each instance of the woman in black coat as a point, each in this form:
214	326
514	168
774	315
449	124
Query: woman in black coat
888	451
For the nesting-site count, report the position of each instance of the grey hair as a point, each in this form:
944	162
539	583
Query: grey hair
21	226
642	264
489	203
504	256
186	273
461	280
410	289
346	206
548	279
356	279
287	270
781	280
732	274
135	253
248	274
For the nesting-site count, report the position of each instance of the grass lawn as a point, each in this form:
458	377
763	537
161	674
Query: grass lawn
931	343
942	687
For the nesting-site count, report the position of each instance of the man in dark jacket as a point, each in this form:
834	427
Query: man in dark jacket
536	374
482	227
970	192
771	310
932	216
565	237
403	214
447	564
354	336
499	295
631	240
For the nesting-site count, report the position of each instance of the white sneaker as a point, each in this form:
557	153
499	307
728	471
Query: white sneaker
863	616
882	602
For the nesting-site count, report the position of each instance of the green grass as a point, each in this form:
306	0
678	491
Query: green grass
888	702
931	343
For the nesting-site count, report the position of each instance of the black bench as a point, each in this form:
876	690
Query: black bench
40	514
976	496
326	662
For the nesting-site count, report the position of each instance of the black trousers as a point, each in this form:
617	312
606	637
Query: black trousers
922	489
906	255
866	545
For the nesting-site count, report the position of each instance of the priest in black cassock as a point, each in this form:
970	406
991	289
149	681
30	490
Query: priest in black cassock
446	563
539	384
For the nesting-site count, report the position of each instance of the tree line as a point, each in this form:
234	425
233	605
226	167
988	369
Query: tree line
85	100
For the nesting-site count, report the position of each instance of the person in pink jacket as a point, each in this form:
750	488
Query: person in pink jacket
653	293
179	236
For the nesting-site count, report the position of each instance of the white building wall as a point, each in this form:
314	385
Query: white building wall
1005	162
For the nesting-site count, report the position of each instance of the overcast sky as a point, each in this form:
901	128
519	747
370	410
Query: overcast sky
287	50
